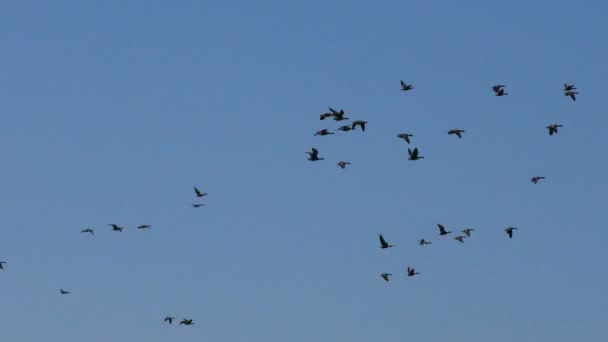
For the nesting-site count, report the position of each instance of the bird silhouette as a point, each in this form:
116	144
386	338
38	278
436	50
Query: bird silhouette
458	132
359	123
406	87
323	132
535	179
169	319
314	155
572	94
467	231
339	116
116	227
197	205
423	242
345	128
383	243
88	230
442	230
509	231
414	154
411	272
186	322
385	276
460	238
405	136
199	193
63	292
569	87
2	264
144	226
553	128
343	164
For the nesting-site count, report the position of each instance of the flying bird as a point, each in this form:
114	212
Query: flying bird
509	231
116	227
535	179
197	205
414	154
62	291
467	231
199	193
383	243
2	264
323	132
314	155
144	226
442	230
186	322
423	242
88	230
339	116
501	92
385	276
405	136
411	272
169	319
406	87
572	94
498	87
359	123
569	87
345	128
343	164
460	238
553	128
458	132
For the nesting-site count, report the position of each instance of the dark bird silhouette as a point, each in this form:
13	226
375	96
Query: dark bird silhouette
339	116
553	128
2	264
383	243
314	155
343	164
199	193
535	179
385	276
509	231
88	230
62	291
144	226
186	322
405	136
569	87
497	88
414	154
572	94
325	115
442	230
345	128
460	238
411	272
116	227
423	242
406	87
467	231
458	132
501	92
196	205
323	132
169	319
359	123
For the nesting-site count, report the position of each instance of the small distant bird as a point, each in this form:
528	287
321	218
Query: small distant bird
88	230
411	272
509	231
406	87
569	87
535	179
383	243
339	116
116	227
423	242
498	87
458	132
323	132
359	123
572	94
414	154
62	291
199	193
314	155
553	128
501	92
345	128
169	319
385	276
405	136
144	226
186	322
326	115
343	164
442	230
460	238
467	231
2	264
197	205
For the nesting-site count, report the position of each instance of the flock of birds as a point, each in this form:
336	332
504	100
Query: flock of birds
414	154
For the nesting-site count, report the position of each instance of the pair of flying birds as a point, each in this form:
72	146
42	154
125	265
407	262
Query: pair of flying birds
183	321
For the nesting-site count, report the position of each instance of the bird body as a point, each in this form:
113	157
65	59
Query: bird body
406	87
62	291
460	238
116	227
572	94
383	243
553	128
343	164
411	272
199	193
169	319
423	242
535	179
442	230
197	205
360	123
509	231
186	322
345	128
88	230
405	136
385	276
467	231
144	226
314	155
2	264
323	132
569	87
414	154
458	132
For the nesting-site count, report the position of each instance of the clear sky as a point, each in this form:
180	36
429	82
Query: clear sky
113	110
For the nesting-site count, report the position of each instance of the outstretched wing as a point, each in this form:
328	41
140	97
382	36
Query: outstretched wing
441	228
403	85
382	241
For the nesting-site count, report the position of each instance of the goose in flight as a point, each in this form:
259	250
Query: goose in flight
2	264
62	291
406	87
343	164
458	132
186	322
169	319
509	231
460	238
359	123
88	230
323	132
144	226
535	179
553	128
442	230
383	243
414	154
467	231
385	276
199	193
314	155
411	272
572	94
405	136
116	227
423	242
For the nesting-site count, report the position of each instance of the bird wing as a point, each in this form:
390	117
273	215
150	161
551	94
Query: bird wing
415	152
409	151
197	191
407	138
382	241
403	85
441	228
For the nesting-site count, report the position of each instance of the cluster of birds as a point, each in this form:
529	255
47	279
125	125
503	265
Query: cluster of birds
414	154
184	321
116	228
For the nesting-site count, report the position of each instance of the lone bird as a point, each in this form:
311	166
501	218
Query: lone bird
572	94
467	231
2	264
88	230
359	123
497	88
405	136
383	243
406	87
116	227
144	226
62	291
186	322
169	319
199	193
414	154
197	205
345	128
460	238
411	272
323	132
509	231
569	87
535	179
553	128
385	276
314	155
458	132
442	230
423	242
343	164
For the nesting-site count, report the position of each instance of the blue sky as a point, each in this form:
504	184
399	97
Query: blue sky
112	111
